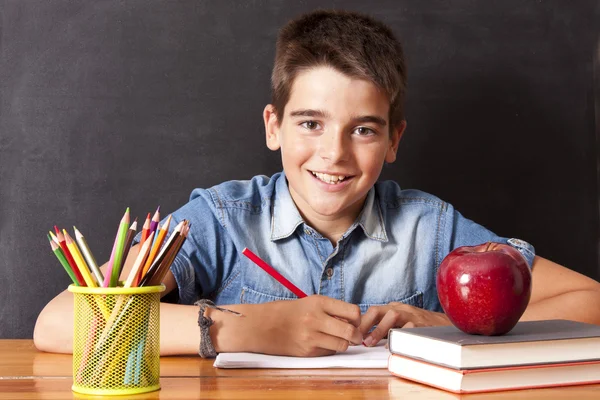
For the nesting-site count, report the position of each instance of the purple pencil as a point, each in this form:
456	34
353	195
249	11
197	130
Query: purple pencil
155	221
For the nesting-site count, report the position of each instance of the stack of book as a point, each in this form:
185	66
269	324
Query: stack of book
534	354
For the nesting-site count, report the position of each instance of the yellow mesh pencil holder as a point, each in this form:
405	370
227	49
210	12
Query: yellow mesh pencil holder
116	344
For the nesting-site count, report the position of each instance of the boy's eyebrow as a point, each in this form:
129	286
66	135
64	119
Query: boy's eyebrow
323	114
309	113
374	119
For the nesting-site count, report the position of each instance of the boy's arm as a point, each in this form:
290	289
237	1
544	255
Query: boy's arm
557	293
305	327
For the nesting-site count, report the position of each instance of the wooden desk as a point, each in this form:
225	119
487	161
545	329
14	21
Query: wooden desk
26	373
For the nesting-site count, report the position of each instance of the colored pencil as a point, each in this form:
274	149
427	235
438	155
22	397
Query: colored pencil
120	244
53	237
164	250
110	264
83	268
145	229
163	268
89	257
157	264
63	261
67	254
117	337
159	237
271	271
155	220
139	262
128	240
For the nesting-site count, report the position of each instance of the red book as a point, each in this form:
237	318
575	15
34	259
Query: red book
494	379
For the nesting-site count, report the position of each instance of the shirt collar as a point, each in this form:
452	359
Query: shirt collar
286	218
371	220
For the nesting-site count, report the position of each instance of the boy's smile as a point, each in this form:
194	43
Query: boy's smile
334	140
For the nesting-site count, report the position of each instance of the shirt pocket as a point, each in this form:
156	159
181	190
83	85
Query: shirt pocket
251	296
415	300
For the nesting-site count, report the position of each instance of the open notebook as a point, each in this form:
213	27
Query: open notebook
355	357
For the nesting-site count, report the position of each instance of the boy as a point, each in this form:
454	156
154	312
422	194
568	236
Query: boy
365	251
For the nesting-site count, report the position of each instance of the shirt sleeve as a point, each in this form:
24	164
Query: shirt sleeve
206	259
460	231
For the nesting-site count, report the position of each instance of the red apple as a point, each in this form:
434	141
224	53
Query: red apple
484	289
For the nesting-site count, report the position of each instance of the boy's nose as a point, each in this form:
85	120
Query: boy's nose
333	146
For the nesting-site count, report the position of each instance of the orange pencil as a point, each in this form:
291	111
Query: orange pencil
162	232
67	254
164	266
164	251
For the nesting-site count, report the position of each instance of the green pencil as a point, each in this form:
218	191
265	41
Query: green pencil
121	236
61	257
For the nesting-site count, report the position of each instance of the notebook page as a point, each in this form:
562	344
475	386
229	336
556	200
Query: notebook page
355	357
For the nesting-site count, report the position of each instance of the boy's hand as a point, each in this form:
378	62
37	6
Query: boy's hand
396	315
312	326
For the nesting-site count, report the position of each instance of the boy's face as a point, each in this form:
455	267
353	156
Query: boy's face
334	140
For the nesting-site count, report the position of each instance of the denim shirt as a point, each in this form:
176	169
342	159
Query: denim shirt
390	254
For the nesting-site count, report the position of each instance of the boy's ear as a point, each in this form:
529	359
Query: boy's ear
396	135
271	127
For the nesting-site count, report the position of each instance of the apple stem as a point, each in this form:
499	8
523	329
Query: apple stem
488	246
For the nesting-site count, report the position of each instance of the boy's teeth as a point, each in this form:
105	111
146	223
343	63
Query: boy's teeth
329	178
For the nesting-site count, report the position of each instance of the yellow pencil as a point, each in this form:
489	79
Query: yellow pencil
85	272
81	265
89	257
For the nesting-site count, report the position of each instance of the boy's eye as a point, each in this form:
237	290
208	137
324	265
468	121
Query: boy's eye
364	131
310	125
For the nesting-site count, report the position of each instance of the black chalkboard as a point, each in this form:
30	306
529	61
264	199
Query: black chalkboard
109	104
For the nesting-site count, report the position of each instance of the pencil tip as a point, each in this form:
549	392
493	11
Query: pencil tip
56	229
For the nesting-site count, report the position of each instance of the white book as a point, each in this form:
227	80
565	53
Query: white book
530	342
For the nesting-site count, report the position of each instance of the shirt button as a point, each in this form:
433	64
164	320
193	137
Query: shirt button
329	272
307	231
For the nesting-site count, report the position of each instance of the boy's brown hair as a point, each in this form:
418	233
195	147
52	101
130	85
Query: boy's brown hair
352	43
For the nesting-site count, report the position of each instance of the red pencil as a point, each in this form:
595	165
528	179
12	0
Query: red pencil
271	271
145	230
63	245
